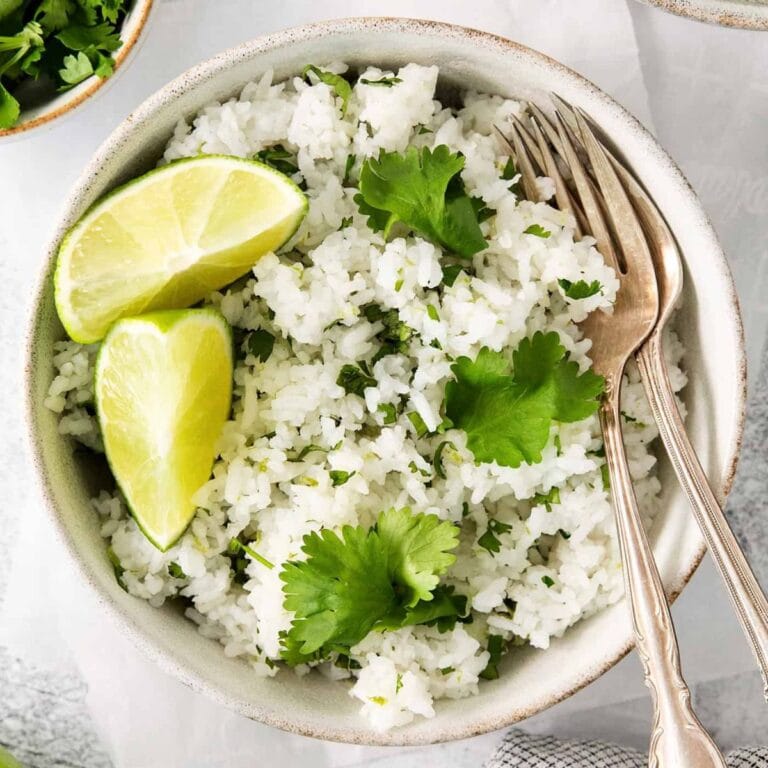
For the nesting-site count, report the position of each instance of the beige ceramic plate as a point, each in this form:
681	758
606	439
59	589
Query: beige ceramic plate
747	14
64	103
710	325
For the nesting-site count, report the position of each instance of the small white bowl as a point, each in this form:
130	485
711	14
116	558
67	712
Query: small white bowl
745	14
66	102
709	323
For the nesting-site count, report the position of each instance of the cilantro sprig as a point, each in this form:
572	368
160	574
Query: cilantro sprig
60	42
363	580
507	416
421	189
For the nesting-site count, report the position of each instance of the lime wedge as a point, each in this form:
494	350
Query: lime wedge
7	760
163	393
170	237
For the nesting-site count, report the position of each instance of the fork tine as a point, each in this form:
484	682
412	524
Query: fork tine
563	197
525	166
589	202
620	211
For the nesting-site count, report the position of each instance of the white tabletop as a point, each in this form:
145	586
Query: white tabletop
704	90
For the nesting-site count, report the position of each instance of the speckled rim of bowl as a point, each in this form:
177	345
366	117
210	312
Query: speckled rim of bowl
142	116
726	13
131	34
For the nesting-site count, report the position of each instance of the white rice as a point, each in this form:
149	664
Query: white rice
313	291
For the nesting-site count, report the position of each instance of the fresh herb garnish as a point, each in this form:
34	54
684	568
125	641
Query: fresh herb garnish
422	190
306	450
437	462
387	82
176	571
389	412
418	423
260	344
629	419
339	477
235	545
59	42
581	289
336	82
496	650
354	380
490	540
279	158
394	336
450	273
537	230
547	499
432	313
507	417
360	580
548	582
348	165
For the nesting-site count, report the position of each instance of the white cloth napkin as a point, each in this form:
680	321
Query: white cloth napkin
146	719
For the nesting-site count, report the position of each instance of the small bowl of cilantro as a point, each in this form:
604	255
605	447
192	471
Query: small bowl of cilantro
55	54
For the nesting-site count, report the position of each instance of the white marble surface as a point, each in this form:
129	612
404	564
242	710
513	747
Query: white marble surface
704	89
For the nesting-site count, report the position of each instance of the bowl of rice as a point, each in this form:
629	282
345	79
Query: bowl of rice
343	417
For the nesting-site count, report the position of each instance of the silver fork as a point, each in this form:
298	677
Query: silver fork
678	739
743	587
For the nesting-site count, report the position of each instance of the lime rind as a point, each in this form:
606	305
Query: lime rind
63	283
162	322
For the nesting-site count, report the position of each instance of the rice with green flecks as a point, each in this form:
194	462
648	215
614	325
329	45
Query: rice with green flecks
308	449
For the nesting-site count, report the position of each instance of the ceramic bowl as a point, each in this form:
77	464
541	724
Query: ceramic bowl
746	14
709	323
62	104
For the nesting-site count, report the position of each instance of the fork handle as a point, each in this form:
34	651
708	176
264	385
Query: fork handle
678	739
743	587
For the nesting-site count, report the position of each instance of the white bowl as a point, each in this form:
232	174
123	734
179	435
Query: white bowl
61	104
746	14
709	323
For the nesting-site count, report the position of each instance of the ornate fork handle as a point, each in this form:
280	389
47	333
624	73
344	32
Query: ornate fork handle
678	739
743	587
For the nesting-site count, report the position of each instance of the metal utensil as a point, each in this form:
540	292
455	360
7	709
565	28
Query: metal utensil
743	587
678	739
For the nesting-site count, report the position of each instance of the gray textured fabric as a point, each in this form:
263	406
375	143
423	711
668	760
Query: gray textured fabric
521	750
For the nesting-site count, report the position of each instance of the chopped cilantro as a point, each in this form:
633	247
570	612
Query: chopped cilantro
346	222
117	567
548	582
547	499
581	289
537	230
490	540
176	571
387	82
279	158
418	424
432	313
423	190
507	418
260	344
450	273
348	165
446	670
437	462
606	476
336	82
339	477
627	417
389	411
564	534
236	544
394	337
307	449
354	380
399	284
352	583
496	650
423	129
510	170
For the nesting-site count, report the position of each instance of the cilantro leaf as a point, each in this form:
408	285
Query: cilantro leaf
507	418
53	15
100	37
496	650
537	230
581	289
443	610
336	82
418	549
279	158
9	108
339	477
394	336
490	540
260	344
421	189
75	69
354	380
365	580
